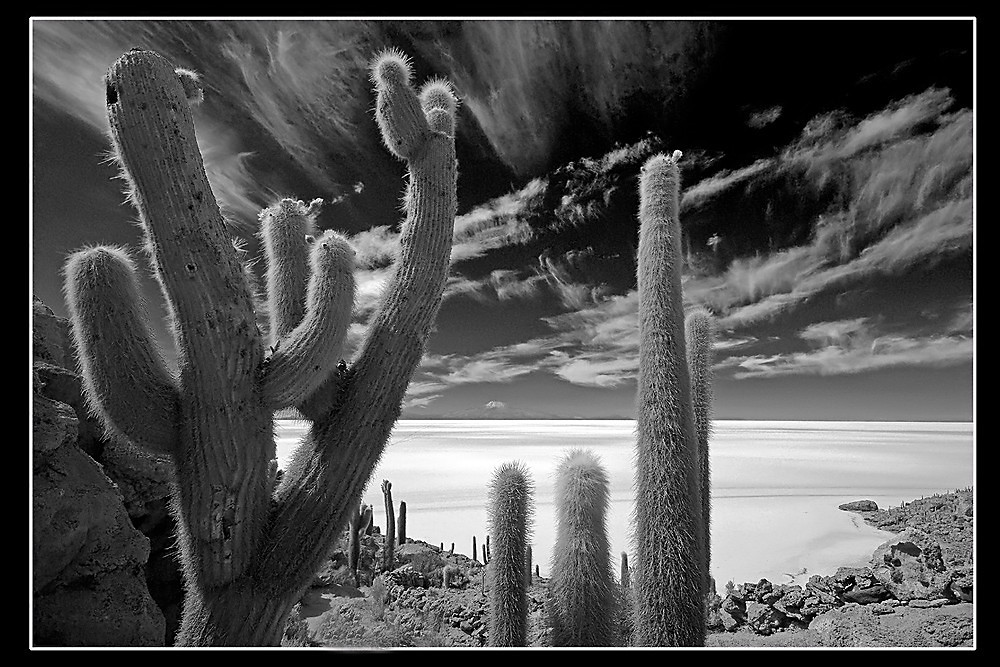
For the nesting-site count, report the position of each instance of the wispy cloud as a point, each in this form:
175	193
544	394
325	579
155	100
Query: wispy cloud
765	117
883	352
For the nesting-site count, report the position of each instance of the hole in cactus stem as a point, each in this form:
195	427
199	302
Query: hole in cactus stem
112	93
192	267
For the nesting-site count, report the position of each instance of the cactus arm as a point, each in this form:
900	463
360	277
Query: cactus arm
152	130
226	443
668	510
283	230
700	334
126	382
348	438
306	355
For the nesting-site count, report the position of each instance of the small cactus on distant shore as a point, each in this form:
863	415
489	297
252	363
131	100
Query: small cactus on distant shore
389	544
582	585
356	530
401	523
668	516
510	514
475	556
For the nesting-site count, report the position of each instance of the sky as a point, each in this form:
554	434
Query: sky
827	196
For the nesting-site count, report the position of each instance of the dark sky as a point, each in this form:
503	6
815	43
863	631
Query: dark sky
827	203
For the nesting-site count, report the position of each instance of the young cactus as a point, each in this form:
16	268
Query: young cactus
699	336
356	530
389	544
249	551
582	585
510	513
668	516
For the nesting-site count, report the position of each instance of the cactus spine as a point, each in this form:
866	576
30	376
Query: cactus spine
582	587
668	516
358	525
389	544
249	551
401	523
509	516
700	334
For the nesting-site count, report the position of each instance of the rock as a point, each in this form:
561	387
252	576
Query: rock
764	619
869	625
859	506
50	339
961	584
880	608
734	605
901	567
729	622
927	604
88	581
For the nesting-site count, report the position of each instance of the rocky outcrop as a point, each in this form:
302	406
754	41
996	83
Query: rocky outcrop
925	567
859	506
88	580
855	625
136	486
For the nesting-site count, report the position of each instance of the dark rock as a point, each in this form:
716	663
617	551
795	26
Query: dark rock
729	622
735	606
764	619
961	585
88	560
859	506
900	566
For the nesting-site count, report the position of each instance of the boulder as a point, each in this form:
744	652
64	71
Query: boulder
88	580
764	619
870	625
961	584
911	571
859	506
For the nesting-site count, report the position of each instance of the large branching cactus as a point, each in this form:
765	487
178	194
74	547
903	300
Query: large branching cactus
699	333
582	585
510	512
668	525
249	549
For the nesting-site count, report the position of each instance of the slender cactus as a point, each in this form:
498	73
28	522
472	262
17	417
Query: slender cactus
582	587
487	548
699	335
510	513
474	554
527	566
668	515
625	580
249	551
486	559
401	523
389	544
356	530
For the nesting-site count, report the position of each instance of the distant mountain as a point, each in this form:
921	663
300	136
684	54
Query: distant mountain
499	410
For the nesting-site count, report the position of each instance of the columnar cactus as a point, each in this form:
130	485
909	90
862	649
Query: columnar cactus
527	566
249	551
699	336
357	526
474	554
668	519
389	544
487	548
401	523
510	513
582	586
625	579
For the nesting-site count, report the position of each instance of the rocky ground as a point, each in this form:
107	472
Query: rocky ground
917	591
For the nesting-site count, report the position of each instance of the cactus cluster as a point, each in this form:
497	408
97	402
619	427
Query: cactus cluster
249	548
357	526
511	507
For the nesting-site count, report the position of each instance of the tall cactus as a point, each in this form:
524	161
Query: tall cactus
509	516
249	551
389	544
699	335
583	589
357	526
668	522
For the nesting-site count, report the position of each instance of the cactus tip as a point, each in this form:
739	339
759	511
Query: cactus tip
437	93
191	82
391	67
